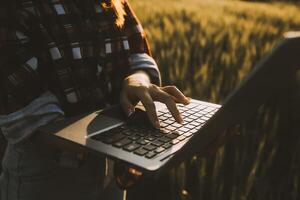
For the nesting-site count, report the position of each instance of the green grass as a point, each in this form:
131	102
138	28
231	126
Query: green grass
205	40
206	48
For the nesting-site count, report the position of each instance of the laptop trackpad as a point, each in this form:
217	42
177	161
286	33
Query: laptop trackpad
105	120
101	123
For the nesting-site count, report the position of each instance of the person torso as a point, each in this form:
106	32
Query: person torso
83	53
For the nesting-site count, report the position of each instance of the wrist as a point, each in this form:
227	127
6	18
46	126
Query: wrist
140	76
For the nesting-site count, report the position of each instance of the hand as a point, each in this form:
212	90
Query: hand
137	87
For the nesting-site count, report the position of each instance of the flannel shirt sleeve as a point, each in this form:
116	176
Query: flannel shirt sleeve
140	54
20	125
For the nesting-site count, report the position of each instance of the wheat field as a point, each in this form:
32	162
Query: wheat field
206	47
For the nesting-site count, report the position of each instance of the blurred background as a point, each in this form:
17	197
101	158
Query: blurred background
206	47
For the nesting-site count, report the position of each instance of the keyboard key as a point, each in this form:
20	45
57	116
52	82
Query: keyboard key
198	114
150	154
151	131
184	110
141	133
183	129
188	134
205	118
201	121
158	134
209	115
163	118
172	135
209	109
189	126
201	107
214	111
135	129
184	122
164	131
150	137
182	137
176	125
163	124
194	123
141	151
160	113
169	121
131	147
184	113
171	128
134	137
193	117
167	115
157	143
196	109
142	141
173	142
127	132
159	150
122	143
194	130
179	132
188	120
165	139
192	105
190	112
149	147
167	145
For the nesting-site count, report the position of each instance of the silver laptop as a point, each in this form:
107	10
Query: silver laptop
135	142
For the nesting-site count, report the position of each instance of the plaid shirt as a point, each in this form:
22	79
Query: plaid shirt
72	48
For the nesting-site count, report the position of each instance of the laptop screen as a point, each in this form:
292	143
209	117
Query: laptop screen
269	76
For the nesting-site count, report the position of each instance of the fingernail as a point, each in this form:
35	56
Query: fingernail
187	100
180	119
157	125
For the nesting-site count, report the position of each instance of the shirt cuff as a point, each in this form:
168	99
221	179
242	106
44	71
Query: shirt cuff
142	61
21	124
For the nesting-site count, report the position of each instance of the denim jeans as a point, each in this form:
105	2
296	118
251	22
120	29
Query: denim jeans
32	172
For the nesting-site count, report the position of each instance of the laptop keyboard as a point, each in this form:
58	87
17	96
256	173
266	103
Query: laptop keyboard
147	141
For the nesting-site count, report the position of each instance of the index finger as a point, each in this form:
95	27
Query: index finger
149	105
176	93
164	97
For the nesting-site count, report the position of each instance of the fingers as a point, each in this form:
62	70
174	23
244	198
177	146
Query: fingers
149	105
144	96
169	95
126	104
164	97
177	94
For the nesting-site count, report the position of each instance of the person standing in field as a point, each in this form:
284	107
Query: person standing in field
62	58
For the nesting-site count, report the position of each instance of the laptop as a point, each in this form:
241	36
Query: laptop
135	142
